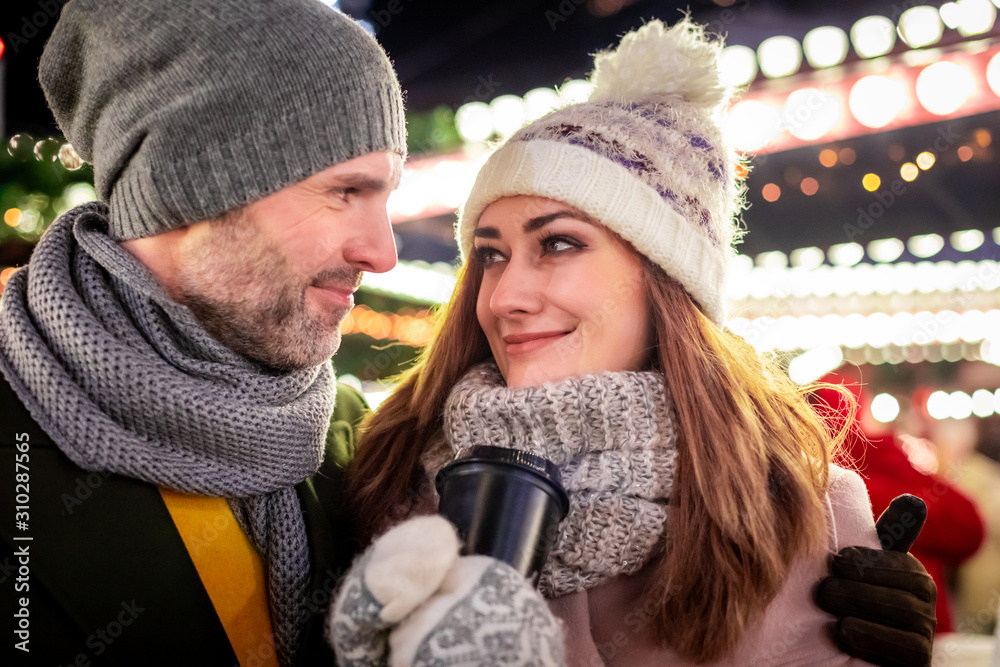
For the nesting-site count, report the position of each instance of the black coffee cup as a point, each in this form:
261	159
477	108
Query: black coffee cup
505	503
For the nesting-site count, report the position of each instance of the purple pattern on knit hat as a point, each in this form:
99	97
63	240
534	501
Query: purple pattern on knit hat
636	162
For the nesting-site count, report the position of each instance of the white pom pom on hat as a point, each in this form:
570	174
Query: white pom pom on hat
659	61
644	155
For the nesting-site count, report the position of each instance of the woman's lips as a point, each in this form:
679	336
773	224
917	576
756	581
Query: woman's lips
524	343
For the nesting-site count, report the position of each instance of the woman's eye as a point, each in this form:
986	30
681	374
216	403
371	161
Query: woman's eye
487	255
560	244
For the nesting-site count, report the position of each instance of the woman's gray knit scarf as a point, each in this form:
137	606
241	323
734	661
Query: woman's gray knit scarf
612	436
124	379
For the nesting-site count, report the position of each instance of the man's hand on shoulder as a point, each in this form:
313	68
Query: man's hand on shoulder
883	599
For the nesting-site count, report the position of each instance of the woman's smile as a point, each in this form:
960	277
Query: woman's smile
529	342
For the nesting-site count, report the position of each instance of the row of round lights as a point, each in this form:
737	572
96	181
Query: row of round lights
813	364
880	251
914	354
942	405
901	278
874	101
872	36
960	405
850	277
808	113
877	331
478	121
24	146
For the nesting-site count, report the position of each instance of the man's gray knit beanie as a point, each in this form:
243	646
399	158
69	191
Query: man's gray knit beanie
190	108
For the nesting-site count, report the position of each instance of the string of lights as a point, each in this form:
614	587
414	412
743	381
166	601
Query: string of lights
785	107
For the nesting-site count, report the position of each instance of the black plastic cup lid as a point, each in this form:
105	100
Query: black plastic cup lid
491	454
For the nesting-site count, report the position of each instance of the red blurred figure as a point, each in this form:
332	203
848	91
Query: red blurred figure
954	528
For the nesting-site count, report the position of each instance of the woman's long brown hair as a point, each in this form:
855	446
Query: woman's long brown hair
751	466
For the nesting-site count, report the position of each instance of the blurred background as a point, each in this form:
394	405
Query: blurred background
873	189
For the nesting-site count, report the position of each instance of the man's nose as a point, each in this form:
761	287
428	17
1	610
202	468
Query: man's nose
372	247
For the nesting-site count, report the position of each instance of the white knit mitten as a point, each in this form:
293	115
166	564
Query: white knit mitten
411	600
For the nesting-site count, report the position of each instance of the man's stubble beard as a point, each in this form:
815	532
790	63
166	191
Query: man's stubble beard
241	290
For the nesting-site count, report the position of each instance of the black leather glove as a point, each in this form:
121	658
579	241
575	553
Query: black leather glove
884	599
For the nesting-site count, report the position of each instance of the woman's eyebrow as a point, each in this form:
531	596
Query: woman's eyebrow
534	224
486	233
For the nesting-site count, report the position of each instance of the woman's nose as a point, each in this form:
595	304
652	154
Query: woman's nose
519	291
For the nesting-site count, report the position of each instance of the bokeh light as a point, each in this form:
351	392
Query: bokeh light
875	100
942	88
925	245
508	114
873	36
809	113
807	258
885	250
779	56
539	102
825	46
474	121
739	65
968	240
885	408
751	125
975	17
920	26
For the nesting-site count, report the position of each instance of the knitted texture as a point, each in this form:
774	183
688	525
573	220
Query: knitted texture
468	611
188	109
644	155
127	381
614	440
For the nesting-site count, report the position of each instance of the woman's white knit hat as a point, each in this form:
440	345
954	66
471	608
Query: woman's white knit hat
644	155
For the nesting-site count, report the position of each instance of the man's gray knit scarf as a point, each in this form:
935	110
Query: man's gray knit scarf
612	436
124	379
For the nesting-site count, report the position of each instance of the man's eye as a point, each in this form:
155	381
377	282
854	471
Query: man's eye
343	193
